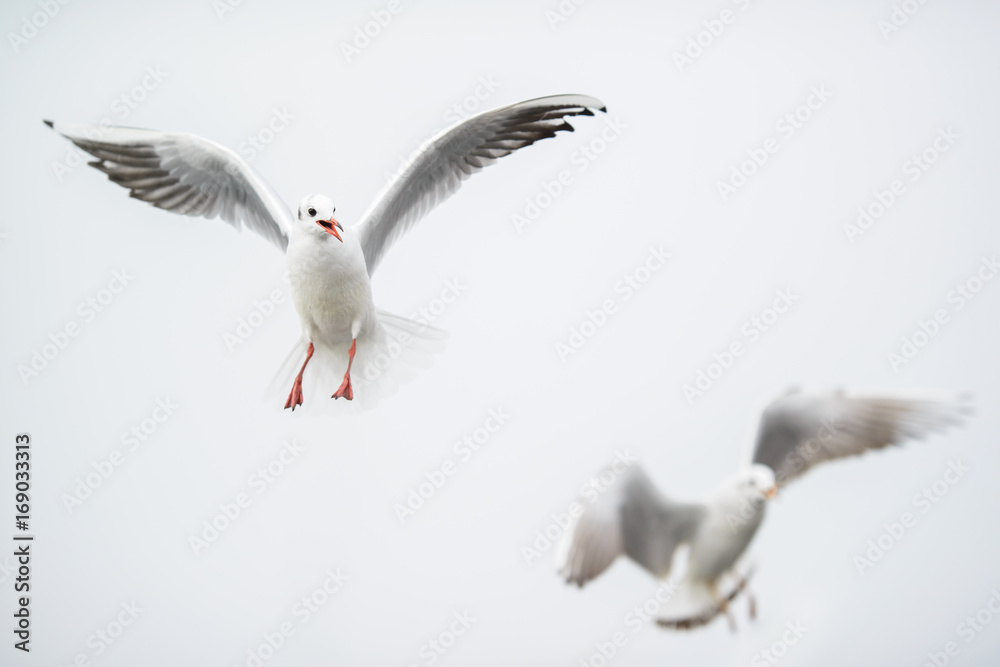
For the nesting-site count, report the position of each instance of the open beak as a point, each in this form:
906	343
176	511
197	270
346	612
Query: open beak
771	492
331	226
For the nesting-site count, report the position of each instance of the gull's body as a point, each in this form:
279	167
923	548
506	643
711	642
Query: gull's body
329	265
330	287
717	544
797	431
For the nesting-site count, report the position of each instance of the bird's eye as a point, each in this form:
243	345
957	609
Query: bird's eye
311	211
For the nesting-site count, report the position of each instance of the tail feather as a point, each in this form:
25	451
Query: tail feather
282	380
383	361
412	327
695	604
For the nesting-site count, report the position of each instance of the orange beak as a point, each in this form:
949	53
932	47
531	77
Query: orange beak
331	226
772	492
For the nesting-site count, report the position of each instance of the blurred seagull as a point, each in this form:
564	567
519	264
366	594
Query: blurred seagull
796	432
329	265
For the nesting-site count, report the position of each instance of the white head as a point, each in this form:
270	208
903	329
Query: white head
316	216
743	497
756	481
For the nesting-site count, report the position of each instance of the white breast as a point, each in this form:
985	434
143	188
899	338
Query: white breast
330	287
726	532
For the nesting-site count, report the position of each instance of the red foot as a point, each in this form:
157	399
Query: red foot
346	391
295	397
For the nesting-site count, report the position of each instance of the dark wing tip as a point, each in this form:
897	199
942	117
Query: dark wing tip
603	109
49	123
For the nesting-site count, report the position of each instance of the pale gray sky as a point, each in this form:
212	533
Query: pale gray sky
645	176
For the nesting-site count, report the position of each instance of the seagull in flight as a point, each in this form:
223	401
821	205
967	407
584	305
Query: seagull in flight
796	432
329	264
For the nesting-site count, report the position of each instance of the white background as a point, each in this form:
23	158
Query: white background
64	234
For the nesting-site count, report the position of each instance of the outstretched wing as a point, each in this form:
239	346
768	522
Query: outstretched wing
437	170
185	174
630	518
798	431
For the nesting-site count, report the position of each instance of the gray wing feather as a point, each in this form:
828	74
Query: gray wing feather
799	431
633	519
654	526
185	174
437	170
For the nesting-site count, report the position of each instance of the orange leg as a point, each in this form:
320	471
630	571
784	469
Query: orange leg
346	391
295	398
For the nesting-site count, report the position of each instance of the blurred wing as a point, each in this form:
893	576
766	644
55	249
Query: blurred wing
630	518
798	431
437	170
185	174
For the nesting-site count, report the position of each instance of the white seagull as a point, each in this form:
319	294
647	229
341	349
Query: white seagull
329	265
796	432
